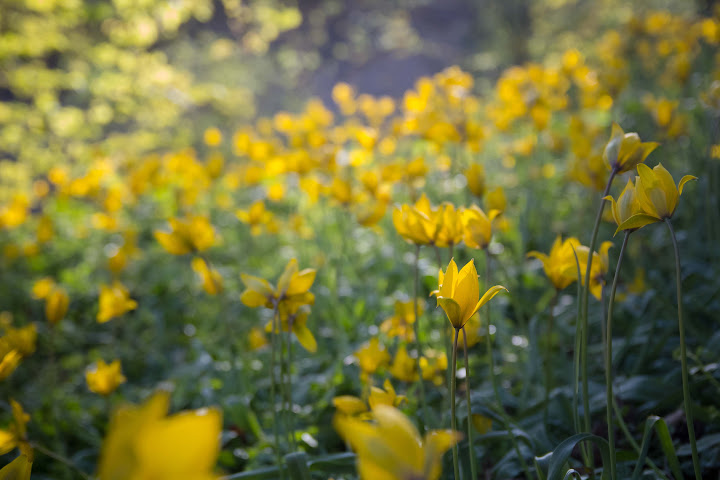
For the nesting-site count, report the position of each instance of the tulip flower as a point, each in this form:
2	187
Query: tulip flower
56	305
18	469
187	235
624	151
557	264
104	378
292	288
114	301
478	227
392	449
656	191
627	211
212	281
475	175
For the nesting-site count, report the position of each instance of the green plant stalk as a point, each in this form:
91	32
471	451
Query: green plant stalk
584	320
422	420
273	386
608	361
471	450
548	354
284	386
493	379
683	358
291	418
576	361
453	420
60	458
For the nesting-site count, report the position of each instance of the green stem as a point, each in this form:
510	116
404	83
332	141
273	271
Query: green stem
683	357
453	420
584	334
60	458
291	418
608	360
548	354
273	384
471	450
423	420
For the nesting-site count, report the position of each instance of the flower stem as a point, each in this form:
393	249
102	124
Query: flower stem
584	334
423	420
273	385
683	357
291	419
608	360
471	450
60	458
453	420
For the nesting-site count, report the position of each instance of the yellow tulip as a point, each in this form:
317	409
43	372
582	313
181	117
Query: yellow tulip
391	448
186	235
599	269
404	367
558	263
433	365
212	281
292	289
624	151
371	356
385	396
451	226
459	293
143	443
56	305
18	469
475	175
419	223
16	435
104	378
114	301
496	200
478	227
627	211
296	321
657	192
349	405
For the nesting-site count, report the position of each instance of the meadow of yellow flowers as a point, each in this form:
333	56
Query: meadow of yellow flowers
407	288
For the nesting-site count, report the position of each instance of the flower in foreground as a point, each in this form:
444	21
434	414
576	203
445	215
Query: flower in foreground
114	302
144	443
104	378
625	151
391	447
627	210
657	192
459	293
16	435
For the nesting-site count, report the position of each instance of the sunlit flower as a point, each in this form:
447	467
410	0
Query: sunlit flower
657	192
475	175
628	207
599	269
292	289
212	281
459	293
104	378
296	322
433	365
371	356
57	302
403	367
391	447
187	235
478	227
559	263
143	442
114	301
401	323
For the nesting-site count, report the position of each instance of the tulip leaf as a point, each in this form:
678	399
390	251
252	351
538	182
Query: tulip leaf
663	435
562	453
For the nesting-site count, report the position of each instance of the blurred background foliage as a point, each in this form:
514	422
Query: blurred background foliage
79	80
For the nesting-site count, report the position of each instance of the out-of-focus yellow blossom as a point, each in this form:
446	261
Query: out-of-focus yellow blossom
481	423
212	281
589	171
56	304
256	338
18	469
657	192
385	396
15	213
212	137
143	442
391	448
403	367
22	339
558	263
472	328
292	289
495	200
628	207
187	235
475	175
257	216
401	323
42	288
433	365
349	405
478	227
370	213
459	293
344	96
625	151
420	223
371	356
451	226
599	268
296	321
9	360
45	230
114	302
103	378
16	435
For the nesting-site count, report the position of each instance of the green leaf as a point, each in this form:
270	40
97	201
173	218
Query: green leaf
663	435
562	452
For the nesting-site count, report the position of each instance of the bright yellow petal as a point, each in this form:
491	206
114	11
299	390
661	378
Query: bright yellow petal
305	337
683	181
488	296
447	287
467	291
18	469
349	405
452	310
637	221
301	282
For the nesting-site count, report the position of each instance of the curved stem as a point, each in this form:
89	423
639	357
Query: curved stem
453	420
416	328
471	450
608	360
584	320
683	358
60	458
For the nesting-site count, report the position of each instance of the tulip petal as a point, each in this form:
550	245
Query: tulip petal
305	337
467	290
683	181
492	291
637	221
452	310
301	282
